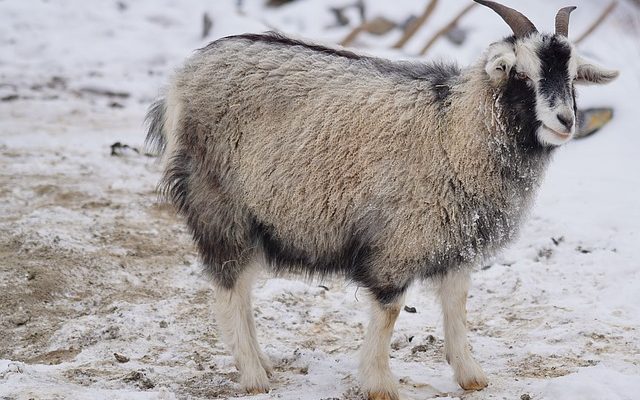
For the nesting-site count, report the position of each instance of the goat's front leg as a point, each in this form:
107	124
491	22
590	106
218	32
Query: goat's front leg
452	290
377	380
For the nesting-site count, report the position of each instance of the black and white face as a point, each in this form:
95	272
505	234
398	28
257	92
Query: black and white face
538	75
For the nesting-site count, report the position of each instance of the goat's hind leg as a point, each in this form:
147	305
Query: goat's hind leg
452	290
234	316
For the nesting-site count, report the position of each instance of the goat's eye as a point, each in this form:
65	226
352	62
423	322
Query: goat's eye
522	76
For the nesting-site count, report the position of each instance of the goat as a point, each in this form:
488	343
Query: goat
320	161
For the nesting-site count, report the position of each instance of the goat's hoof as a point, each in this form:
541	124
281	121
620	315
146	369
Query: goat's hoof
471	377
257	390
382	396
474	383
256	383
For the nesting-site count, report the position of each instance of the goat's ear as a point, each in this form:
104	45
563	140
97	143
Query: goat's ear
500	60
592	74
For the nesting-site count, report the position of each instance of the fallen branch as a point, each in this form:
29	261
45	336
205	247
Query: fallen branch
413	27
607	11
98	91
377	26
446	28
353	34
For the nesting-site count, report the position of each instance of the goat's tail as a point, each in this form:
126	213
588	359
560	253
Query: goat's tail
156	140
162	121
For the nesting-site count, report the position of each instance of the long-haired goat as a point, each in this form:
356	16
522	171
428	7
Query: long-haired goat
321	161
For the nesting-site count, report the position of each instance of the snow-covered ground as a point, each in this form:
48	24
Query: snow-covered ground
91	265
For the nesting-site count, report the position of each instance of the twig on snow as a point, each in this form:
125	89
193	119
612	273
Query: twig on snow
446	28
605	13
413	27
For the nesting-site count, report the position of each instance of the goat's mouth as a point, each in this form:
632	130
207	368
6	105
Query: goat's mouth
559	135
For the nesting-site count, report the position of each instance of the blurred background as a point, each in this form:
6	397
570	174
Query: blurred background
131	46
101	294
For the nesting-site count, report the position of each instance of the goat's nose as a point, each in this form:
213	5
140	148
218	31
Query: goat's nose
566	120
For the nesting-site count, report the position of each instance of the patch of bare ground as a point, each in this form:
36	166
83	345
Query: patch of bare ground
71	247
537	366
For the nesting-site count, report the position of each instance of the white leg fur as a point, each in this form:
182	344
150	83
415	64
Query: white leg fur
234	316
376	378
453	291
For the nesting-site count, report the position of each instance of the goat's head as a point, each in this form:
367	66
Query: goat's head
537	73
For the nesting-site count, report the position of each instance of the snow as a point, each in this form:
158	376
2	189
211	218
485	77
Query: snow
594	383
90	265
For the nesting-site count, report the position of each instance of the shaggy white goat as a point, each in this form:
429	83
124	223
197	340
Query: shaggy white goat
316	160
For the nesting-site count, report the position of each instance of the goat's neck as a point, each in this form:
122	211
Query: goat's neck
484	148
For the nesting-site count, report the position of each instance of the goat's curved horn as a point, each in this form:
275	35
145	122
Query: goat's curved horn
520	25
562	21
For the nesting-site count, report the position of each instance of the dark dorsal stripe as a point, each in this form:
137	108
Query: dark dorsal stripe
441	75
277	38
